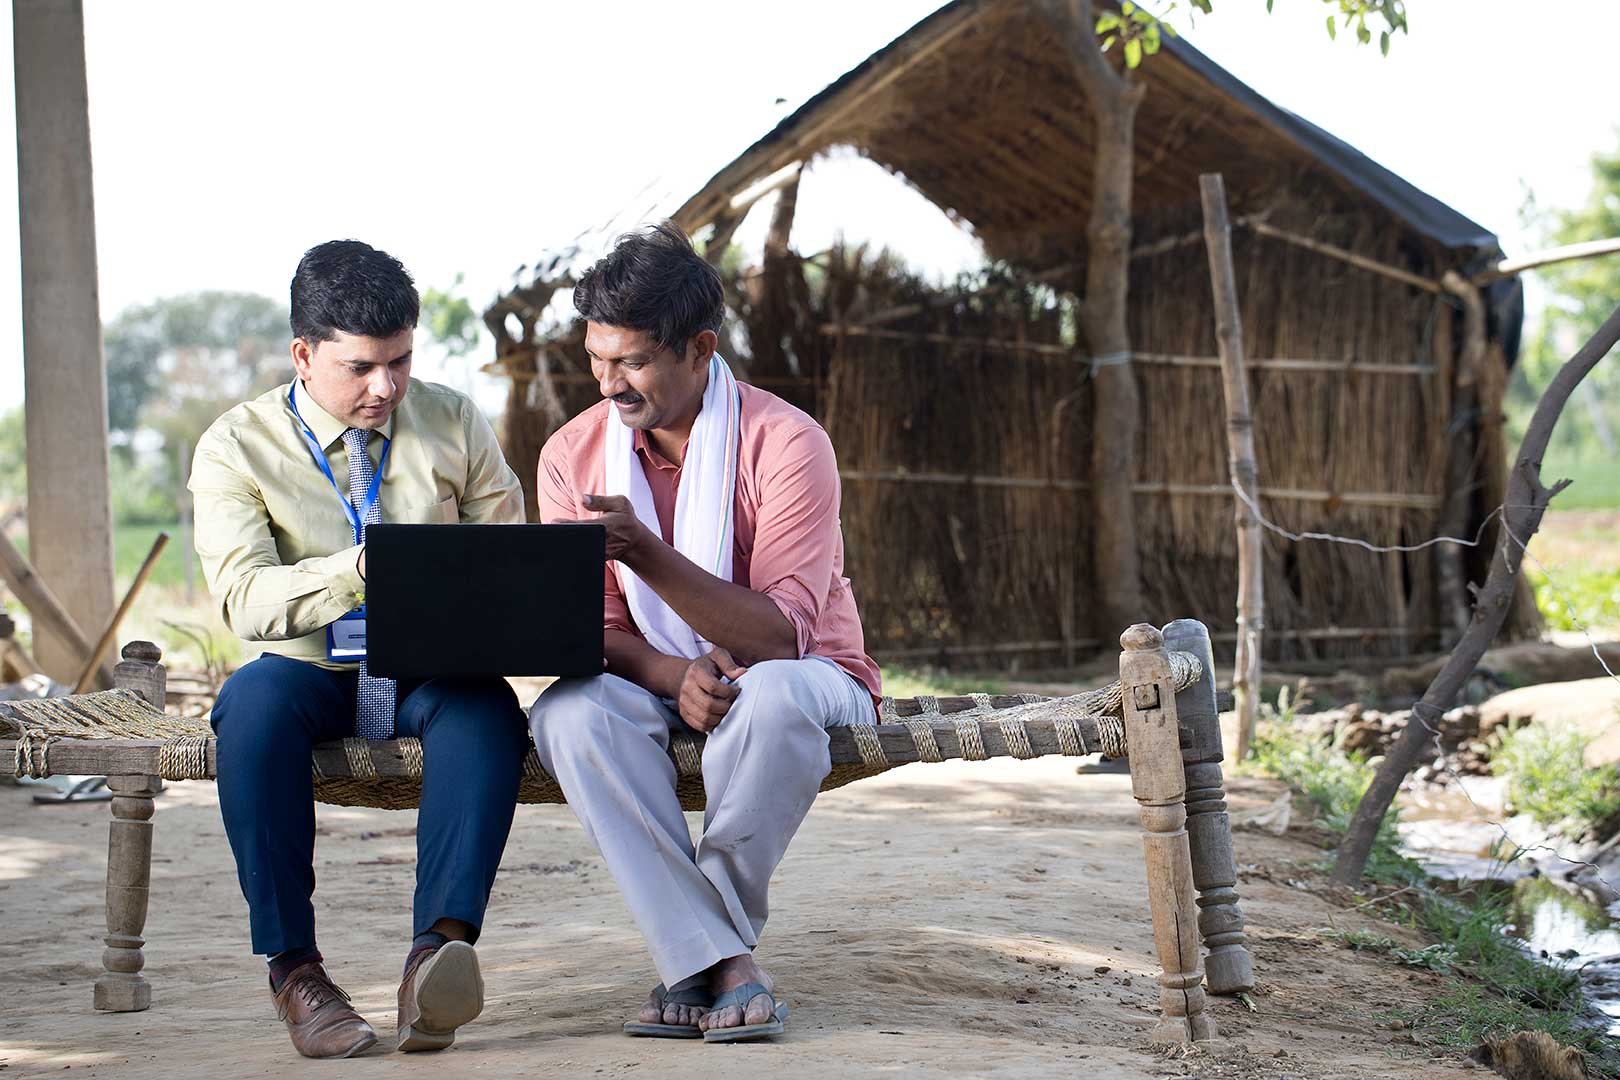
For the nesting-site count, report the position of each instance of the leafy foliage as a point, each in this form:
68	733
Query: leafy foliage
177	363
1547	778
1139	30
449	320
1582	293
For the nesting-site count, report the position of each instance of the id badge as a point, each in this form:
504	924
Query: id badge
346	638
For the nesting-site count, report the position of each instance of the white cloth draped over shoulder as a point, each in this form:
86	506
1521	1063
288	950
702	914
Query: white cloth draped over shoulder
703	505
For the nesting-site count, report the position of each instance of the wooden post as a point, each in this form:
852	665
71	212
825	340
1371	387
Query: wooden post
122	987
1158	783
1240	459
64	371
1228	967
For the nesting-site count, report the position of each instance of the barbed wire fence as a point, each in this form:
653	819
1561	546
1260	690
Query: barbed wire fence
1419	706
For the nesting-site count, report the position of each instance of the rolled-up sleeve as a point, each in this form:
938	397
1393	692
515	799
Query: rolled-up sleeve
260	598
558	491
797	538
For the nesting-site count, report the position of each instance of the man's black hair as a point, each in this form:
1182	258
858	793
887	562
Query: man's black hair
653	280
349	286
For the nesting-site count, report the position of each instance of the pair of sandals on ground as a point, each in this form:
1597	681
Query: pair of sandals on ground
680	1010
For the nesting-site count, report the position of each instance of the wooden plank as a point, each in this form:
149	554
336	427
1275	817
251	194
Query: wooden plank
42	604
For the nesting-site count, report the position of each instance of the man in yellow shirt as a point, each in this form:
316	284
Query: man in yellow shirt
285	486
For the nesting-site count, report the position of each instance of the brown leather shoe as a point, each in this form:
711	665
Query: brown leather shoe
319	1017
442	990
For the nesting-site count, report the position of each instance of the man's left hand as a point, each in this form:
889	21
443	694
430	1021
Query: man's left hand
626	535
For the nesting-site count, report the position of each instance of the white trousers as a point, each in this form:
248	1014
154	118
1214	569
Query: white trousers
606	740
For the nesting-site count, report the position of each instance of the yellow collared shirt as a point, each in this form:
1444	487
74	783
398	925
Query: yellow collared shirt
276	548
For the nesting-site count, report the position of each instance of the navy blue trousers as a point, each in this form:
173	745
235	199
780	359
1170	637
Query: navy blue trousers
270	714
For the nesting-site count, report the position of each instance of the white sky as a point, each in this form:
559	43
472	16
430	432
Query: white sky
229	137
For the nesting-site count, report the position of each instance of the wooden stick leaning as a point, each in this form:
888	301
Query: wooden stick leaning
1240	459
43	605
105	641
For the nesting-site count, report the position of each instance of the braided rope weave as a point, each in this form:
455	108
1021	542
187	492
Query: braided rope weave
971	728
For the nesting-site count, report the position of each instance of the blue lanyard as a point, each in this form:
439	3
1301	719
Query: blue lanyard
357	519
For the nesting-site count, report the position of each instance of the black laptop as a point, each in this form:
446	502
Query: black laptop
456	600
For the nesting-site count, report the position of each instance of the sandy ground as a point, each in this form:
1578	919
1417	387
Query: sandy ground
940	920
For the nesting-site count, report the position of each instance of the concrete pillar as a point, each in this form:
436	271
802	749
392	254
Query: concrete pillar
65	373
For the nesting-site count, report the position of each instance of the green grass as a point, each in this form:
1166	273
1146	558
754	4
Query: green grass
1495	985
132	542
904	682
1593	592
1596	486
1547	778
1332	780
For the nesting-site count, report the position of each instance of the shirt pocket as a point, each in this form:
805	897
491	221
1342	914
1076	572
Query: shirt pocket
443	512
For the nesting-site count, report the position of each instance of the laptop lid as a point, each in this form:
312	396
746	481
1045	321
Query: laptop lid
461	600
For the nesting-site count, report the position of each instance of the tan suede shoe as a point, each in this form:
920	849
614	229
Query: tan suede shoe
441	991
319	1017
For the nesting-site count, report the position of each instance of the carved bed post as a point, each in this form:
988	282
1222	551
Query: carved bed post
122	987
1158	784
1209	832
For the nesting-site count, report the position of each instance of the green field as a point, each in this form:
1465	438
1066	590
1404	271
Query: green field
1596	486
132	542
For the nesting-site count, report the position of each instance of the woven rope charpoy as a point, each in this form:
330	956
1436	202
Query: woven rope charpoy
388	774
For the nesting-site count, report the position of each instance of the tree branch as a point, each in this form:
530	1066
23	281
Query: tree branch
1527	499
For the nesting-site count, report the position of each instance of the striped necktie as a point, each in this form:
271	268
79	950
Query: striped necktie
374	707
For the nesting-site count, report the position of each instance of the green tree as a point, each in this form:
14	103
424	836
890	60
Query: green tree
449	320
1581	295
178	362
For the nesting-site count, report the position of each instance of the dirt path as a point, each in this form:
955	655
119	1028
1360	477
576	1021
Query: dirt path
941	920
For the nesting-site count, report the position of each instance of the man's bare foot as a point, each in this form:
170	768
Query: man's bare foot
729	974
659	1011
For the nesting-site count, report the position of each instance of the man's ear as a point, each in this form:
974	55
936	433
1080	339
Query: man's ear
303	357
700	348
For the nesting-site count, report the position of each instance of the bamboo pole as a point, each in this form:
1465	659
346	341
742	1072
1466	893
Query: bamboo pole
1395	500
1395	273
104	642
1587	250
1240	460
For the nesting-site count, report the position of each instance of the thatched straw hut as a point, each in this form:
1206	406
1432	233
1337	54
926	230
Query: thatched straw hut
960	414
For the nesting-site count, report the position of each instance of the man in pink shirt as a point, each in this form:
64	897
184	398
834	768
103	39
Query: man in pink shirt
725	610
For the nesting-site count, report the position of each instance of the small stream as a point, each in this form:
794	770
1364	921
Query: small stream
1451	837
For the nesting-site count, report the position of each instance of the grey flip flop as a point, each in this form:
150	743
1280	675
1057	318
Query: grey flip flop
740	996
696	996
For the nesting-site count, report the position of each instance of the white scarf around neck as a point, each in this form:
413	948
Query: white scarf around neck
703	505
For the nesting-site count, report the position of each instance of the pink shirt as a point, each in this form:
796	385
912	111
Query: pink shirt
789	543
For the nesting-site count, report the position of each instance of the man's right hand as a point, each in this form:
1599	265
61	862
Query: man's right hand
705	695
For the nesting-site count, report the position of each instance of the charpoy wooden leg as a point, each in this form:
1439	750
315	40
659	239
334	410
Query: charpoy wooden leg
1229	968
1159	786
122	987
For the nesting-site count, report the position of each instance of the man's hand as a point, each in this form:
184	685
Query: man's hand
704	697
626	535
